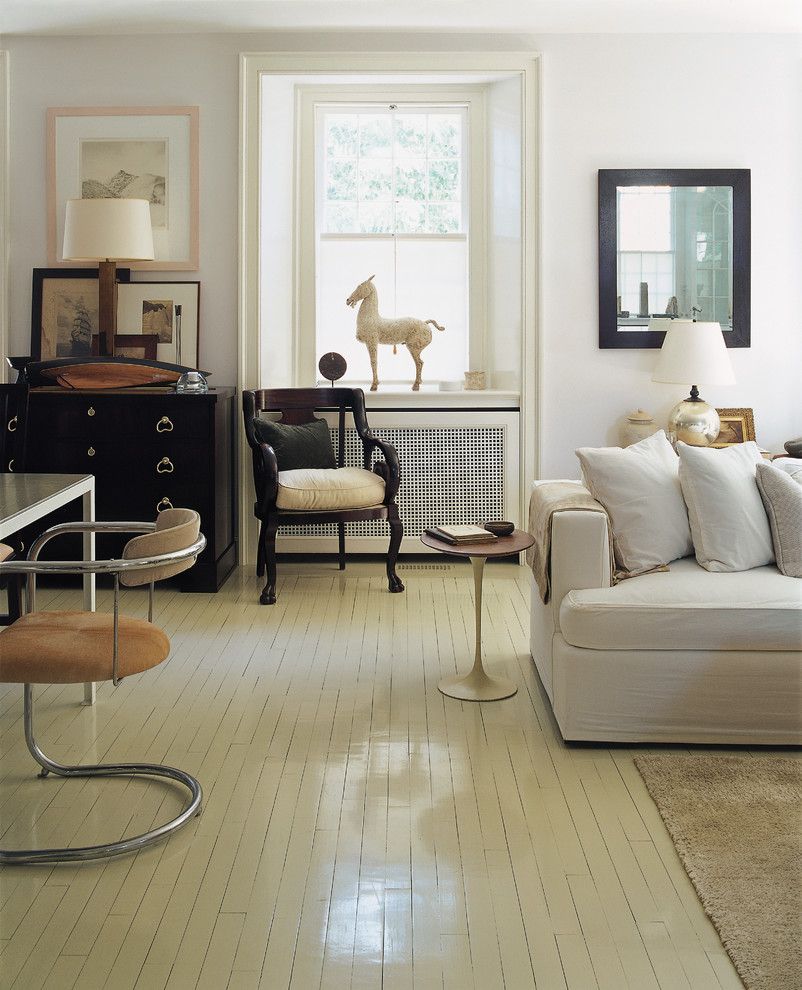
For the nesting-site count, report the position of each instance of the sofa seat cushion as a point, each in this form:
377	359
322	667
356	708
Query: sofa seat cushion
321	489
688	608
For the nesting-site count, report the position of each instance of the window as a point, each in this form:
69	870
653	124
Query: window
646	250
392	200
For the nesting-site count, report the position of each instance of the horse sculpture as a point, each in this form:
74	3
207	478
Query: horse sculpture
373	329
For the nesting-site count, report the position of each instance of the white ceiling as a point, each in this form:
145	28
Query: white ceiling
85	17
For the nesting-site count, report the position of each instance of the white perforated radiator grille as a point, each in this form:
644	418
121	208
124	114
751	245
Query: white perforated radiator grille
448	475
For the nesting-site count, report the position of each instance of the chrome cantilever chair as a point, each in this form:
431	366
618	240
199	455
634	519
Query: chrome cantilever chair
76	647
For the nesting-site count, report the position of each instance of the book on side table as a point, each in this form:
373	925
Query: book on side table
462	534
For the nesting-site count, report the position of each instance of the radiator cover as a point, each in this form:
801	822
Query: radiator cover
451	472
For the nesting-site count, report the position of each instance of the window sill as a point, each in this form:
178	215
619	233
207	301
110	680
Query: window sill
430	397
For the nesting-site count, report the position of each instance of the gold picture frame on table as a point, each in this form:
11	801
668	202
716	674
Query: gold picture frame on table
737	426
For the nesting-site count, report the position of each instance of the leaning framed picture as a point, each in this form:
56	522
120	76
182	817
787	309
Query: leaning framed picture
154	308
64	311
737	426
128	153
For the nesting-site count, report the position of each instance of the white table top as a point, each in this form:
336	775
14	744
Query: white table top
25	497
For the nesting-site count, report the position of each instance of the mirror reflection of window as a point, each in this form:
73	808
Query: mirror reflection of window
645	252
677	240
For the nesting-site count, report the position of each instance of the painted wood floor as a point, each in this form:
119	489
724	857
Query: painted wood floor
359	829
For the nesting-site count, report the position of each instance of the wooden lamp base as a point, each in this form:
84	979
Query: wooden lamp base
107	305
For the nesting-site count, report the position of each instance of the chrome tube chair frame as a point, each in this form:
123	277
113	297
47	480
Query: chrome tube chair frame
33	566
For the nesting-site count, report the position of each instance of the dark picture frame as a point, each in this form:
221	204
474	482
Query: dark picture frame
143	343
42	323
610	179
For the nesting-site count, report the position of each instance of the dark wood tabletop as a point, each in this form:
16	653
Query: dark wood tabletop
502	546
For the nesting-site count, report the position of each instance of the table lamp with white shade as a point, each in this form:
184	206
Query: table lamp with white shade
107	231
693	353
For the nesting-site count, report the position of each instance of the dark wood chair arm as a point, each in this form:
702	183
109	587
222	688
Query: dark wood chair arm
265	464
265	476
389	468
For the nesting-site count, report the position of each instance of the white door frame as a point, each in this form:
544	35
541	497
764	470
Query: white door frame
253	65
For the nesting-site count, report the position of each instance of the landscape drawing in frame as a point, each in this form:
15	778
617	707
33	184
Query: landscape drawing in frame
128	153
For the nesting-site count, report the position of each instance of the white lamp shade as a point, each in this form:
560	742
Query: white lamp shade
113	229
694	354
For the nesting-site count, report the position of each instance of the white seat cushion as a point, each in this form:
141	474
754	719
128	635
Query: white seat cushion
688	608
319	489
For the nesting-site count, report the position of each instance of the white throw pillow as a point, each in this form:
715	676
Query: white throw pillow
639	488
728	522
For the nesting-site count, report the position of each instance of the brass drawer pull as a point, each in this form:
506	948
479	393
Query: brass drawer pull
164	425
163	503
165	466
12	425
91	452
90	411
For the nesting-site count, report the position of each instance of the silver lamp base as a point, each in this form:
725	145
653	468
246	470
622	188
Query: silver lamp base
693	421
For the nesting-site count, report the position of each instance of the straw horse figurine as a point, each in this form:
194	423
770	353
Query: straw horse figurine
373	329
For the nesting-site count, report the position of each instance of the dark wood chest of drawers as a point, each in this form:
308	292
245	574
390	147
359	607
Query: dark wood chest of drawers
148	449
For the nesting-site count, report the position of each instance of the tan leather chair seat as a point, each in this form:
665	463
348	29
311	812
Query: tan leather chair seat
75	647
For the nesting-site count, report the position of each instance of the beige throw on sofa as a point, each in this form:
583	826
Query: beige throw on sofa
551	497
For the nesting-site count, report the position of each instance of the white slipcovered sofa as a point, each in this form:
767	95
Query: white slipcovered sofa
684	656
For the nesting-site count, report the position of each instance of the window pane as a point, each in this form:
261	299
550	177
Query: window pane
341	218
644	222
410	180
341	180
375	218
445	136
410	217
432	279
444	180
444	219
410	135
375	135
342	134
342	265
375	180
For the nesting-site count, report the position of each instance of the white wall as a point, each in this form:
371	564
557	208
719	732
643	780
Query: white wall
131	71
608	101
670	102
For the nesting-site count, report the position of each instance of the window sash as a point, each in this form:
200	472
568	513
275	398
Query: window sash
307	191
325	108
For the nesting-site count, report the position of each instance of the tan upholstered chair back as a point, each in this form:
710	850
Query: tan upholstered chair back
176	529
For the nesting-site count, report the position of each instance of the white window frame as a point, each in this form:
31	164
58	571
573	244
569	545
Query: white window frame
476	66
308	98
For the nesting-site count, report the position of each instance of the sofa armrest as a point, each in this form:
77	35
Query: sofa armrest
580	554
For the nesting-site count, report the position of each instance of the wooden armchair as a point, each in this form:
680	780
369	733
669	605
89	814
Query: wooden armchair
318	495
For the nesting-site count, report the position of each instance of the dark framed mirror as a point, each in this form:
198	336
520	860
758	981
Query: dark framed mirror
673	243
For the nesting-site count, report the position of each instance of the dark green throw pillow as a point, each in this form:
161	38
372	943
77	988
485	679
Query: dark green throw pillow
305	446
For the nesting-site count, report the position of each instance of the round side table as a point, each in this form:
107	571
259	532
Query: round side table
478	685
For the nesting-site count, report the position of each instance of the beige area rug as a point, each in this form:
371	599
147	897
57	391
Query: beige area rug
737	825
